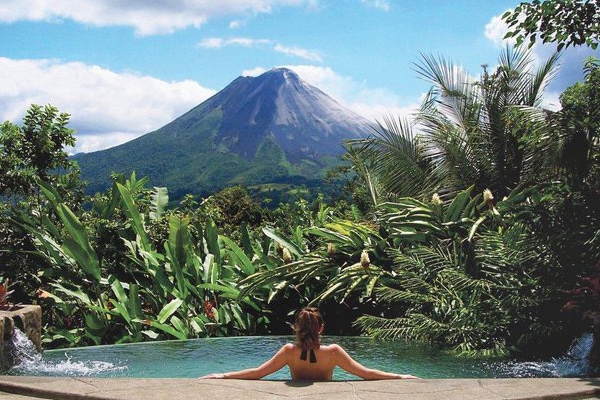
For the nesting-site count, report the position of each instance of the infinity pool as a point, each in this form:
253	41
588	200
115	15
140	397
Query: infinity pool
197	357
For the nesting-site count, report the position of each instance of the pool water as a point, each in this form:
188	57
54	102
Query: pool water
197	357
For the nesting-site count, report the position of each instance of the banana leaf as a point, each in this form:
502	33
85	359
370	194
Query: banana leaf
159	199
168	310
240	258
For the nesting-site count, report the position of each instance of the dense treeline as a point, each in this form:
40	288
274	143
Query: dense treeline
476	228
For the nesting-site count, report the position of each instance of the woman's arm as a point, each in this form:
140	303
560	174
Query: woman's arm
278	361
348	364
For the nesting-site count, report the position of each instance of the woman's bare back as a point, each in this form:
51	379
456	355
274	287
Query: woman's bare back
307	359
303	368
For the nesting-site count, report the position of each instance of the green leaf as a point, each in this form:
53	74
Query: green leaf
82	258
169	310
163	327
78	245
456	208
135	301
134	215
78	293
212	240
117	289
95	325
179	325
151	334
474	227
240	258
177	248
159	201
122	310
246	241
282	240
211	270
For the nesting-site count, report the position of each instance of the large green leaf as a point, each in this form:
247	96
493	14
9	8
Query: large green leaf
135	301
457	207
163	327
78	246
77	293
159	201
177	248
284	241
134	215
212	240
239	257
169	310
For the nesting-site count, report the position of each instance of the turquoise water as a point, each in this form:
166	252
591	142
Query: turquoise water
197	357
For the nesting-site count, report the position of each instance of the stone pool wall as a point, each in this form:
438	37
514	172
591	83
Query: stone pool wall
28	318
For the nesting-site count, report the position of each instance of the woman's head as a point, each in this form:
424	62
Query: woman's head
308	326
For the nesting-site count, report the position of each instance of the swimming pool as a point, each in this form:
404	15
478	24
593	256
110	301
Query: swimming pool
197	357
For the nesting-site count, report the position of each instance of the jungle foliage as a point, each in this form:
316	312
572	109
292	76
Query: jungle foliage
474	224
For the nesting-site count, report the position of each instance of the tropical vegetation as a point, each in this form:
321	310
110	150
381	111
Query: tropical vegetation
471	227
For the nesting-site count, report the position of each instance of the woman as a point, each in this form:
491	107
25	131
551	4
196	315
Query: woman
307	358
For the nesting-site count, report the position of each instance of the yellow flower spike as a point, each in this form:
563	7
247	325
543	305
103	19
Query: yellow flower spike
330	249
365	261
286	255
487	196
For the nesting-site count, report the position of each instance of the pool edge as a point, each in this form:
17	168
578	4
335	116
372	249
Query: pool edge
189	388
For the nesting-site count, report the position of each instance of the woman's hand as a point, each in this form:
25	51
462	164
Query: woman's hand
400	376
213	376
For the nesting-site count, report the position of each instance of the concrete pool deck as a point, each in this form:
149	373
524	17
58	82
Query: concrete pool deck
28	387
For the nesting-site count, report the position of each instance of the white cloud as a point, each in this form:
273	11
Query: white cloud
298	52
212	43
379	4
495	30
215	43
107	108
146	17
236	24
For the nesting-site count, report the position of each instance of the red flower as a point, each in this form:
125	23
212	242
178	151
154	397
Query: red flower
209	309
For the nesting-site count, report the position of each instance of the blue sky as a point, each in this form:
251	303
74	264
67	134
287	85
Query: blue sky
123	68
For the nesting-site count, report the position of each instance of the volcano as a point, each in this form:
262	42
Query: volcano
270	129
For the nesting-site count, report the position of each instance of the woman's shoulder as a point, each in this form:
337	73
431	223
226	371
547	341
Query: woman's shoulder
288	346
286	351
331	347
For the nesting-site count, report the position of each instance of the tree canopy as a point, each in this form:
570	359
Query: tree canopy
564	22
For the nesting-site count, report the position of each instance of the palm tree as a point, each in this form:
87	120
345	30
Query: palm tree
466	271
393	162
489	133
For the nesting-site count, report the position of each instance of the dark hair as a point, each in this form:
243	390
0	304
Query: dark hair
307	325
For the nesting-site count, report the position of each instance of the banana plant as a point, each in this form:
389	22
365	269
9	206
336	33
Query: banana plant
199	272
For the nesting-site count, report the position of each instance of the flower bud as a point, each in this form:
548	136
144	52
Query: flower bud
365	261
330	249
287	256
487	196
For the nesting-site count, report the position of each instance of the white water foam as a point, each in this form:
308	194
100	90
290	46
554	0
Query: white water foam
28	361
575	363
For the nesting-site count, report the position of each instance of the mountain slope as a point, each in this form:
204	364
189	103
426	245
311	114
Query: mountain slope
273	128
